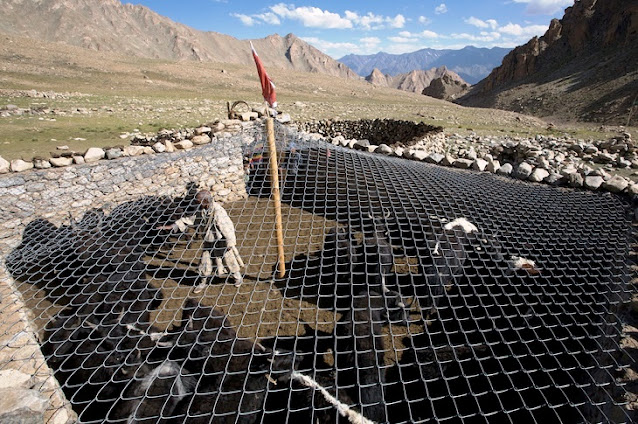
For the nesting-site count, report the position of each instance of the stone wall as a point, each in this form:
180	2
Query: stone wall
30	393
55	192
377	131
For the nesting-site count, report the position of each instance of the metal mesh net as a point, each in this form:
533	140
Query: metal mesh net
412	293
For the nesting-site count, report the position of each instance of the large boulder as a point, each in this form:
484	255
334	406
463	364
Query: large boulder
133	150
361	144
434	158
463	163
524	170
593	182
18	165
113	153
538	175
94	154
479	164
41	163
183	145
506	169
61	161
5	166
201	139
616	184
448	87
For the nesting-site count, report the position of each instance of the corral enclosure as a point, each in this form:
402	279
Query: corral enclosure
413	293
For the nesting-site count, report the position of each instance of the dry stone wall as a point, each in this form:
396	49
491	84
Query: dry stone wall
377	131
55	192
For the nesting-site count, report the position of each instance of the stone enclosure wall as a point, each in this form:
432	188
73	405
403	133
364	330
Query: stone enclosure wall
377	131
27	389
55	192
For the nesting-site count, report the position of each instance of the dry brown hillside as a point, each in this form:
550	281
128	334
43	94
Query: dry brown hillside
584	68
110	26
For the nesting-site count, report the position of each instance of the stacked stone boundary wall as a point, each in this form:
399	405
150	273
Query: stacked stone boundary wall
27	389
55	192
555	161
376	132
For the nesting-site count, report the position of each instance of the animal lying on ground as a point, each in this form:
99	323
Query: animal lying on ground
449	256
359	358
234	381
154	393
344	255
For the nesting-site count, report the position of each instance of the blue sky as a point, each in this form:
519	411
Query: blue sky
366	27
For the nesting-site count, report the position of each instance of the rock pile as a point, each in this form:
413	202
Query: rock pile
41	94
186	137
559	161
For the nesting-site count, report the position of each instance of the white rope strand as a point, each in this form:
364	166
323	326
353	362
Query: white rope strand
344	410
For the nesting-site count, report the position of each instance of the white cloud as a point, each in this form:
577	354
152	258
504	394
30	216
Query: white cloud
490	23
403	40
545	7
397	22
428	34
424	20
370	43
523	32
245	19
328	44
268	18
372	21
440	9
423	34
337	50
312	17
483	37
476	22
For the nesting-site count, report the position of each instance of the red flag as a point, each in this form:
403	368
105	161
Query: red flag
267	86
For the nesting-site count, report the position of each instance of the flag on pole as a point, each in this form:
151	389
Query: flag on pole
267	86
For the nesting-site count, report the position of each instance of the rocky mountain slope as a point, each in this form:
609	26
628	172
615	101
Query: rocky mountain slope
414	81
584	67
471	63
446	87
109	25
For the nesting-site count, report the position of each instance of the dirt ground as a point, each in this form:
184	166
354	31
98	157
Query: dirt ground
258	308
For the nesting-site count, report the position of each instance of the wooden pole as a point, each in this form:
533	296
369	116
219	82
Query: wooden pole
274	176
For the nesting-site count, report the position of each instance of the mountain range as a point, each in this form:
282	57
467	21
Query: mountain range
585	67
470	63
109	25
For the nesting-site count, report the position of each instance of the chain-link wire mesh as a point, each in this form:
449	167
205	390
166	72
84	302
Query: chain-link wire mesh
413	293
